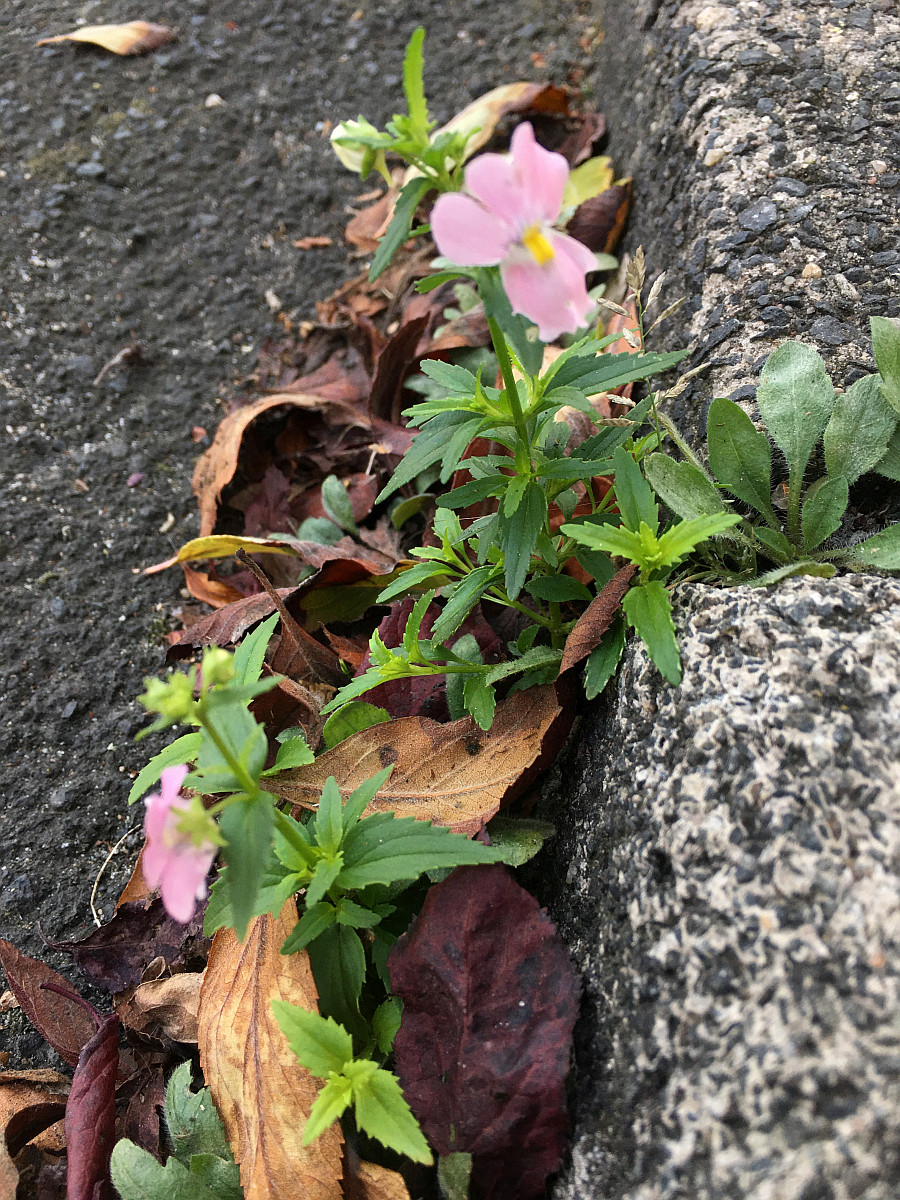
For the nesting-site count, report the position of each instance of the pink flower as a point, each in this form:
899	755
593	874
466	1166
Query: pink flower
507	219
172	860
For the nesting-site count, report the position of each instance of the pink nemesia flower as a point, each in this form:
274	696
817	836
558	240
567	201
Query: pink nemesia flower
507	220
172	861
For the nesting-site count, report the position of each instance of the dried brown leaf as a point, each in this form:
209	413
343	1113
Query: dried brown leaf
61	1022
371	1182
313	242
596	619
32	1104
261	1091
454	774
165	1006
137	37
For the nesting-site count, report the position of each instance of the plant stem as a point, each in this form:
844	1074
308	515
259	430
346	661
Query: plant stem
793	513
246	780
509	382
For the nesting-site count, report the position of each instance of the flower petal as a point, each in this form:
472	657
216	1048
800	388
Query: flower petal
171	780
467	233
541	174
553	295
493	179
179	893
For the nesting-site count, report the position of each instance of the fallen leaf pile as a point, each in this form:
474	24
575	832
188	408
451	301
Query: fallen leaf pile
289	523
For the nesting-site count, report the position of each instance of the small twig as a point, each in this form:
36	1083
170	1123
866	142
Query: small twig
288	625
97	918
132	354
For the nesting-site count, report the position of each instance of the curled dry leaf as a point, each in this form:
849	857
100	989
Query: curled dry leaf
596	619
91	1114
62	1022
165	1006
454	774
32	1105
489	1004
261	1091
137	37
371	1182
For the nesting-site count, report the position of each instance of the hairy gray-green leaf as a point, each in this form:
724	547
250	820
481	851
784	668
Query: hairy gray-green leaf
795	399
683	487
886	348
881	551
823	507
889	465
740	456
857	435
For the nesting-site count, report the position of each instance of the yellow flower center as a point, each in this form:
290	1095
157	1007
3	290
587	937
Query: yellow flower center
537	245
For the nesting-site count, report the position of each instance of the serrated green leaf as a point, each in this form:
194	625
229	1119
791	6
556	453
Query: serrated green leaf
323	876
192	1122
399	229
575	467
293	752
337	505
221	1177
881	551
360	798
634	497
601	373
316	919
457	380
247	828
355	915
250	654
531	660
182	750
682	538
473	491
558	589
859	430
740	456
456	446
338	963
454	1175
518	535
277	886
468	650
386	849
613	539
886	348
382	1113
330	1104
603	662
413	80
427	448
479	700
824	505
329	824
462	599
648	609
321	1044
241	733
138	1176
682	487
795	399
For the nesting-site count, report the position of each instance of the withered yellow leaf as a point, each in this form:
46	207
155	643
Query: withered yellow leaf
221	545
371	1182
137	37
262	1092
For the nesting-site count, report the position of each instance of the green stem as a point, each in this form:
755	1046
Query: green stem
536	617
793	513
512	392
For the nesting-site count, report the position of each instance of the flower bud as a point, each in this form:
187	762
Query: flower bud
216	666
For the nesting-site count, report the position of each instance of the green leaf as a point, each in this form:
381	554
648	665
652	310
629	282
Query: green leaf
881	551
824	505
682	538
518	839
352	718
413	80
182	750
857	435
774	542
456	445
473	491
138	1176
633	495
537	657
604	660
614	539
353	914
385	849
385	1023
324	875
789	570
247	828
329	823
457	380
360	799
410	508
193	1124
278	885
479	700
601	373
336	502
316	919
338	964
330	1104
293	752
462	599
427	448
401	224
575	467
889	465
795	399
886	348
243	736
220	1176
320	1043
454	1175
518	535
431	572
251	653
740	456
648	609
382	1113
682	487
319	530
468	650
558	589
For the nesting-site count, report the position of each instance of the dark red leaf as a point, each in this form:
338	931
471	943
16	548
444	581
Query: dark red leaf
596	619
489	1004
91	1114
599	222
60	1021
115	955
392	367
